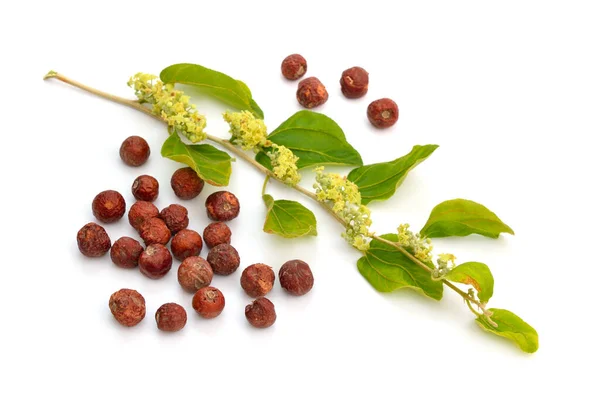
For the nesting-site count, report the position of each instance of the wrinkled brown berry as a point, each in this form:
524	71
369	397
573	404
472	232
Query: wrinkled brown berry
223	259
295	277
216	233
108	206
261	313
186	183
382	113
208	302
154	231
354	82
194	273
134	151
175	217
257	280
222	206
128	307
126	252
155	261
186	243
293	66
145	188
170	317
92	240
140	212
311	93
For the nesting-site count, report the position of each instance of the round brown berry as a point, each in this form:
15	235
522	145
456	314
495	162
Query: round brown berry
208	302
126	252
140	212
222	206
154	231
295	277
134	151
145	188
354	82
175	217
170	317
223	259
92	240
261	313
194	273
128	307
382	113
108	206
186	243
155	261
311	93
257	280
293	66
186	183
216	233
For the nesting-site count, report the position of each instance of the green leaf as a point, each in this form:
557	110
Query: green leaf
216	84
211	164
460	217
477	275
380	180
512	327
316	139
288	219
388	269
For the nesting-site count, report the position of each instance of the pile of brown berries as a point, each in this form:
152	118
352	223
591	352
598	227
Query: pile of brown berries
354	83
195	273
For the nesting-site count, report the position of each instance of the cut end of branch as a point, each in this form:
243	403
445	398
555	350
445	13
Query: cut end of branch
51	74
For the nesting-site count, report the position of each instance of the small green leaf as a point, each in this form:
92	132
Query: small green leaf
218	85
388	269
211	164
380	180
512	327
460	217
288	219
316	139
477	275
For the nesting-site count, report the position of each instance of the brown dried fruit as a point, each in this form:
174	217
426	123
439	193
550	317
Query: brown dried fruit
311	93
222	206
140	212
208	302
295	277
257	280
126	252
128	307
382	113
145	188
155	261
194	273
175	217
293	66
216	233
154	231
354	82
186	243
108	206
223	259
170	317
261	313
186	183
134	151
92	240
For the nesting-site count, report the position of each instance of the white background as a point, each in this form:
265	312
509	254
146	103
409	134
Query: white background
509	90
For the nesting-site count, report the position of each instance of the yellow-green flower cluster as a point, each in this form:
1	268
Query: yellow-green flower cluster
248	132
284	165
419	247
171	105
445	263
344	198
